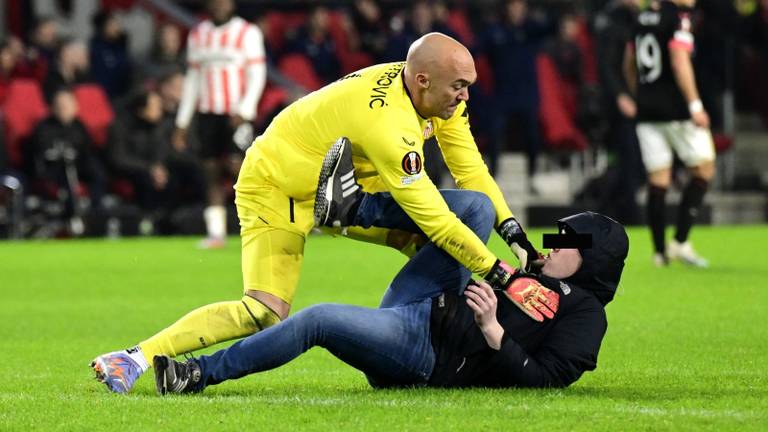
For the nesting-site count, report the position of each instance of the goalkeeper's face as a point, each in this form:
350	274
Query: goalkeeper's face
449	86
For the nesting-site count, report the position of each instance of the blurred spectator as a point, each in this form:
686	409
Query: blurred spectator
45	39
225	78
17	63
110	63
565	52
170	88
166	56
61	155
512	46
613	30
315	42
371	28
70	68
404	33
140	152
73	18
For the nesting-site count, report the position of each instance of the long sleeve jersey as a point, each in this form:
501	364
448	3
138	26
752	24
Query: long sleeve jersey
372	108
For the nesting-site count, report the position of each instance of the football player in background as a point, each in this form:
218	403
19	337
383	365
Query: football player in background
670	118
374	122
226	74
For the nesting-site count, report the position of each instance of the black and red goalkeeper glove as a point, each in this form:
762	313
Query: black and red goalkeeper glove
512	233
533	298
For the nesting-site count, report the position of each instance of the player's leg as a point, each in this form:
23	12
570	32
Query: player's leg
392	346
657	158
695	147
271	262
214	135
432	270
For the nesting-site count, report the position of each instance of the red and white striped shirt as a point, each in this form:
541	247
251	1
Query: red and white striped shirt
226	70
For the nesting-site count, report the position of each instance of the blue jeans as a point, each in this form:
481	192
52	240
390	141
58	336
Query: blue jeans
391	344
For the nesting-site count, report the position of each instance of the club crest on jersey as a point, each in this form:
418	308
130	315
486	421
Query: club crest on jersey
412	163
428	130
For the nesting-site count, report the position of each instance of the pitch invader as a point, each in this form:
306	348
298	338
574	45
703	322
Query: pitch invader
671	118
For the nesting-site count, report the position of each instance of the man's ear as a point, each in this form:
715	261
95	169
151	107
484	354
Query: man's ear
423	80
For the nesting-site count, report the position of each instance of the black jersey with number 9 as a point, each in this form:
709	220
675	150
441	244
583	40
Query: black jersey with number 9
657	31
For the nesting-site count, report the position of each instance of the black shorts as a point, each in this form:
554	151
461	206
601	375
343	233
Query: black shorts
214	133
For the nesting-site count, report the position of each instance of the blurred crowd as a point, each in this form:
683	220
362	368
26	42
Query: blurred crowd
104	110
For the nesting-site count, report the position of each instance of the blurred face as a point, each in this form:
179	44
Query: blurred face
446	87
153	111
221	10
47	34
112	28
170	91
170	39
422	17
65	106
75	55
569	29
369	9
7	59
517	10
561	263
319	19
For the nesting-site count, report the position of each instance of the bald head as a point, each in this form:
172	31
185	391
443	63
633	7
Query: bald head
438	71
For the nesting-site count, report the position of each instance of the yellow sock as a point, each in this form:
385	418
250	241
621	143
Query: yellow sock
209	325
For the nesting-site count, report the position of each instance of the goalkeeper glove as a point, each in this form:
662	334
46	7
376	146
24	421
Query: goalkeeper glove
512	233
533	298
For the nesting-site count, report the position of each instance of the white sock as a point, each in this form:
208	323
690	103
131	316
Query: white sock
136	355
216	221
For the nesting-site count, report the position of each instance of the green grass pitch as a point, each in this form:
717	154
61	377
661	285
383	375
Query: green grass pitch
685	349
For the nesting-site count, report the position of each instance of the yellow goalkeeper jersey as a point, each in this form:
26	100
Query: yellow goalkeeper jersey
371	107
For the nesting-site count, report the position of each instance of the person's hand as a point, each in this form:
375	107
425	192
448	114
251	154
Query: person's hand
626	105
533	298
236	121
700	118
482	300
512	233
159	176
179	140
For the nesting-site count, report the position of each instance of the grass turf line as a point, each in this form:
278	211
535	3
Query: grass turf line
685	349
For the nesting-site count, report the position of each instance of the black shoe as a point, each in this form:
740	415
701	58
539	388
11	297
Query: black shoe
338	193
175	377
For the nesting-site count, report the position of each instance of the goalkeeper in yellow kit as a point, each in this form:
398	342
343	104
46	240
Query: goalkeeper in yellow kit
385	112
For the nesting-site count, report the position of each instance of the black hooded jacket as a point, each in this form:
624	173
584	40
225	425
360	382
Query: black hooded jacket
553	353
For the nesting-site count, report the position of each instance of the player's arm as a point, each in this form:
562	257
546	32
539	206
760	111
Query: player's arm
629	67
420	199
680	49
470	172
190	89
255	73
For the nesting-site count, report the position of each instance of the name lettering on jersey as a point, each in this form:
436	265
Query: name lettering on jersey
649	18
410	143
412	163
379	93
428	129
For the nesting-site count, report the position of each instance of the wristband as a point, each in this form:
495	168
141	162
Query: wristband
695	106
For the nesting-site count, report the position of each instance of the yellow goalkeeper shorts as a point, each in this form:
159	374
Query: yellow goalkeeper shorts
272	230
